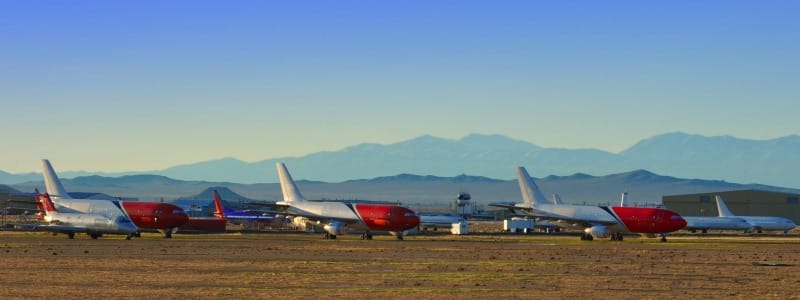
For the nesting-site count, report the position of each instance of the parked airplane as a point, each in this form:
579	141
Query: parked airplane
159	216
704	224
241	216
757	223
597	221
338	217
94	224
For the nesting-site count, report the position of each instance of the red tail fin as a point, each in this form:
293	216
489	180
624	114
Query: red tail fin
47	204
220	212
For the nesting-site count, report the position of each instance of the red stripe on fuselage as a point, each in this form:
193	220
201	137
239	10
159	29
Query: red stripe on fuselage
649	220
386	217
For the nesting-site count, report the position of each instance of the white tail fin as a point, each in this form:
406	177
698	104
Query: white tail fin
288	187
557	199
51	181
531	195
722	208
624	199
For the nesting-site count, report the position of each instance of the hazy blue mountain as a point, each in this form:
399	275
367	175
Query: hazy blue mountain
677	154
488	155
6	190
773	161
8	178
224	192
419	192
230	199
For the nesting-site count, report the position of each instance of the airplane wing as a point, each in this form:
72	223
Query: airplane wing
20	210
33	202
53	228
550	216
287	210
316	217
509	205
272	205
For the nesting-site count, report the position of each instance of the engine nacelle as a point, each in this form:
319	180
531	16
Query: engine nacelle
335	228
597	231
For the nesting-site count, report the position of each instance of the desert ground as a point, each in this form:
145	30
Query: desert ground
426	266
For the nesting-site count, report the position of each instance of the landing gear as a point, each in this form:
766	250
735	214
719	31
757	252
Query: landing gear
366	236
399	236
94	235
586	237
129	236
663	238
616	236
329	236
71	235
168	233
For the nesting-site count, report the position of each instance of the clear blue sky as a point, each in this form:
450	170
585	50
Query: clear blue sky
143	85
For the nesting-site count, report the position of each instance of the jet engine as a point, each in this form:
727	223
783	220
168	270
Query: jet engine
335	228
597	231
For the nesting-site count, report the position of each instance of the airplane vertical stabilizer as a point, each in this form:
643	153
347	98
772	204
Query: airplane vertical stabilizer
288	187
531	195
624	199
47	204
52	182
219	212
722	208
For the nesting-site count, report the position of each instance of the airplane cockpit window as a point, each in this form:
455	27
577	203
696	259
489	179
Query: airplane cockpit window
178	212
675	217
410	214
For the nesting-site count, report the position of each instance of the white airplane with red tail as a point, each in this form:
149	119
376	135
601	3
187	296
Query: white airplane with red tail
337	218
163	217
597	221
93	224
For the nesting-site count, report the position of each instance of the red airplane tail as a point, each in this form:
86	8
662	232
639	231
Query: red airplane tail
47	204
220	212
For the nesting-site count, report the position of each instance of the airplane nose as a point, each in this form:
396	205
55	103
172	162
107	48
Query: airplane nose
679	222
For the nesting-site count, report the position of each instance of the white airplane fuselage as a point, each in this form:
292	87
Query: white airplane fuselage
769	223
93	223
716	223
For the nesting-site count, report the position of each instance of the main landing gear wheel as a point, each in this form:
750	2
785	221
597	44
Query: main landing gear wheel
71	235
586	237
366	236
330	236
663	238
167	232
616	236
128	237
94	236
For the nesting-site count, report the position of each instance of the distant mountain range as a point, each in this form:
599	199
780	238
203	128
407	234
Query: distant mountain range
677	154
419	192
